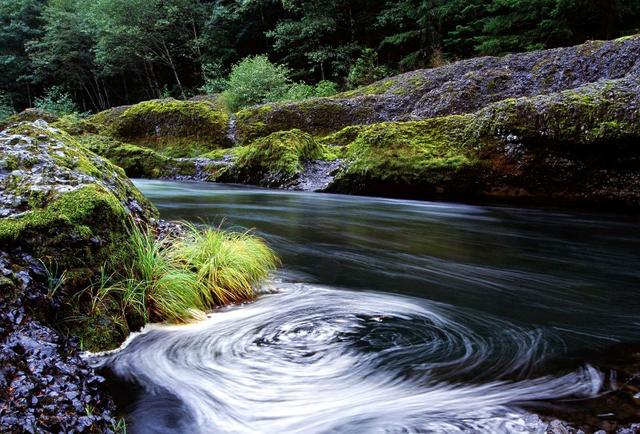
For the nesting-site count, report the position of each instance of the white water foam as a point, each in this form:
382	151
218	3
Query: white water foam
318	360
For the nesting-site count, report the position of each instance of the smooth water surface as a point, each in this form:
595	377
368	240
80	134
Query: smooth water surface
391	316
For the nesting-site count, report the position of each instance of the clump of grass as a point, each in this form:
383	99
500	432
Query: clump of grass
174	280
227	264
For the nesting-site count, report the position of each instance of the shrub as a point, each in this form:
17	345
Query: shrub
366	70
255	80
214	81
299	91
6	108
326	88
56	101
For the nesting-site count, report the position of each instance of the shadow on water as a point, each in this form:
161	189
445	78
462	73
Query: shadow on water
485	297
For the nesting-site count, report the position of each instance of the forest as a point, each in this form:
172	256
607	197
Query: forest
92	55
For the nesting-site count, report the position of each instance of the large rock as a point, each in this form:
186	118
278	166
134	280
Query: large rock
66	208
571	146
60	201
176	128
458	88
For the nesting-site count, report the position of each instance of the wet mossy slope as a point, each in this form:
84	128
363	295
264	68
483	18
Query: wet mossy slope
548	126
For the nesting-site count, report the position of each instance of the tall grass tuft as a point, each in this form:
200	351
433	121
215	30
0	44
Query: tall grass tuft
177	279
227	264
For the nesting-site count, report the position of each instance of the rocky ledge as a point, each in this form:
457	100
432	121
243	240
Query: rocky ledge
554	126
65	212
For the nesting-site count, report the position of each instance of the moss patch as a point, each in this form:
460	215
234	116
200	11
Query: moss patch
406	152
174	128
317	116
79	229
137	161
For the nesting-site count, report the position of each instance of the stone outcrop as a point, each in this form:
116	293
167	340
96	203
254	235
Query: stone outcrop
65	213
457	88
553	126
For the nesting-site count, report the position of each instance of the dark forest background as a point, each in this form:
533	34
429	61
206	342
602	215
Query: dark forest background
104	53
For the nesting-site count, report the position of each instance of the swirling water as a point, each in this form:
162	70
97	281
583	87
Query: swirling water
389	316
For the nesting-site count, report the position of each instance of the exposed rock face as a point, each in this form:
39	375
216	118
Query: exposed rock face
67	208
549	126
574	146
461	87
58	199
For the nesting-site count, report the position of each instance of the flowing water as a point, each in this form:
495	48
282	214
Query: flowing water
391	316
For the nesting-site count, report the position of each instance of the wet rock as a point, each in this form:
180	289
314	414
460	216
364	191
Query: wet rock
44	384
458	88
71	210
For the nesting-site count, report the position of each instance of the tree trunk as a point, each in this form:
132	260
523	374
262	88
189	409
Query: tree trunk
155	80
126	90
173	68
88	92
29	95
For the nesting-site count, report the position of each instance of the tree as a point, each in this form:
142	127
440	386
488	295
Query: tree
324	37
20	23
63	54
150	33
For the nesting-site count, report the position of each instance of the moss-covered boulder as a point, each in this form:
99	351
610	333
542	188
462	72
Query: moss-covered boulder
28	115
276	160
318	116
575	146
138	161
61	202
458	88
408	158
174	128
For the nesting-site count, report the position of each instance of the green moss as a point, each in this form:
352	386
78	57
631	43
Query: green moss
377	88
174	128
627	38
70	222
282	152
584	115
317	116
137	161
75	125
410	151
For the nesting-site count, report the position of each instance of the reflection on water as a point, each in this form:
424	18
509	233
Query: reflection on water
429	317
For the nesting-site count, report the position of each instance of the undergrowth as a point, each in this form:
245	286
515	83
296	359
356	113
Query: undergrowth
173	280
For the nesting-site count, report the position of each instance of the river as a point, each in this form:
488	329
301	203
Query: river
394	316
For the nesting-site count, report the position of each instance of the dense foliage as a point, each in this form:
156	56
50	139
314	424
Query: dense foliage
111	52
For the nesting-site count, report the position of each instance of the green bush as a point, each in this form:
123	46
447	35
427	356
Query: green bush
255	80
6	109
56	101
299	91
326	88
366	70
214	81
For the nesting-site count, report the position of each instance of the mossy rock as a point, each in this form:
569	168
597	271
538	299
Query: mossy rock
28	115
137	161
63	203
458	88
574	146
75	125
174	128
423	156
605	111
275	160
317	116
